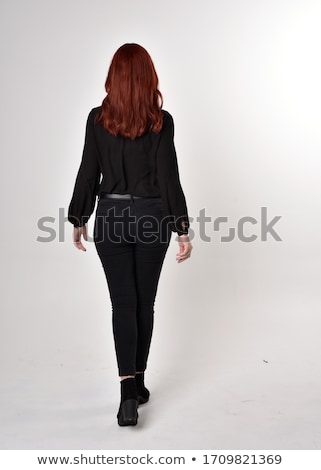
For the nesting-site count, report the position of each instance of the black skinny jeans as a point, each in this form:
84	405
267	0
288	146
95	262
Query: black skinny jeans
131	240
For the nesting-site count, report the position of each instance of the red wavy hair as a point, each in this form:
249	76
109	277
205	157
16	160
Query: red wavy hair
133	104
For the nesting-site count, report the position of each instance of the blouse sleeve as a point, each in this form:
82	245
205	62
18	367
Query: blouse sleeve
169	180
87	181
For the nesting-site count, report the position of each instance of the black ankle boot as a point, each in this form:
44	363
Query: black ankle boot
142	391
127	414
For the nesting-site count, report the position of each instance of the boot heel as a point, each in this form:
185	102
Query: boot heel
128	413
130	410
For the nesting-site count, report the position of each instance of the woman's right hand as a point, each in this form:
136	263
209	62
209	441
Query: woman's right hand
77	233
185	248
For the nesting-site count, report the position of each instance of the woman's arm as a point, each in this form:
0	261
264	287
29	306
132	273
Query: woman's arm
87	181
169	179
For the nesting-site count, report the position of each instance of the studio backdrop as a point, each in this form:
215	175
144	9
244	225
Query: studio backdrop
236	335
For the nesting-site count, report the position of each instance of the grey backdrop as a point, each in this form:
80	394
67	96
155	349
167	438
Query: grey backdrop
234	361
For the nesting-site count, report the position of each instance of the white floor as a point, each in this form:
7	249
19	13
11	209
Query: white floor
250	404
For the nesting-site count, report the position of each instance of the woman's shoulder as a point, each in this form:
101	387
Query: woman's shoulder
167	114
95	110
168	120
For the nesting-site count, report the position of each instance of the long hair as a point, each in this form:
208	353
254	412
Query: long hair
133	104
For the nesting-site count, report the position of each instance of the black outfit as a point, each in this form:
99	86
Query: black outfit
130	235
146	166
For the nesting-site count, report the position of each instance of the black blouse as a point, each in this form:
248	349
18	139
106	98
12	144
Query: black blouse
146	166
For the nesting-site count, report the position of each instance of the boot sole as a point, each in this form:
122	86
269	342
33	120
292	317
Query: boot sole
142	400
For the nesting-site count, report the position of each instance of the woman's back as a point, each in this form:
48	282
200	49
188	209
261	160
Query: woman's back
145	166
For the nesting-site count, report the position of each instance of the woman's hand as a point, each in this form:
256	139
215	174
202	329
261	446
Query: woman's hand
78	231
185	248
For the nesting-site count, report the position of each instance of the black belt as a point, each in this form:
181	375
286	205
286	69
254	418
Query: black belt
125	196
118	196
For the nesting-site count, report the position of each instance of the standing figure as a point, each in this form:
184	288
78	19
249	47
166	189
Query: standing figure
129	141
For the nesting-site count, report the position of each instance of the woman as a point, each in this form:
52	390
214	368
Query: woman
129	140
